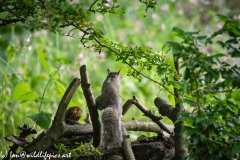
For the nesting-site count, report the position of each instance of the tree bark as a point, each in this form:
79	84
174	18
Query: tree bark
87	91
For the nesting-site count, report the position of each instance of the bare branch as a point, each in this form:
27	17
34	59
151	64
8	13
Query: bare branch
149	114
9	21
135	125
127	148
127	105
87	91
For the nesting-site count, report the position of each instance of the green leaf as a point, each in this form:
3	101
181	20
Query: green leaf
42	119
43	60
23	92
175	47
200	116
184	115
60	87
218	55
189	121
223	18
186	74
201	37
236	95
177	30
221	121
207	122
236	148
177	84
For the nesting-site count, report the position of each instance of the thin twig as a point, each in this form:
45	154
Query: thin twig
90	9
154	118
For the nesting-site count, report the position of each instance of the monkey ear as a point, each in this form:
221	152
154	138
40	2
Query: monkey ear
119	71
108	70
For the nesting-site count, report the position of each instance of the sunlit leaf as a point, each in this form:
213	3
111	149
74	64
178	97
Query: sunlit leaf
43	60
60	87
236	94
178	85
23	92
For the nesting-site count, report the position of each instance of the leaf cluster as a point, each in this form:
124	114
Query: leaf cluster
210	86
84	149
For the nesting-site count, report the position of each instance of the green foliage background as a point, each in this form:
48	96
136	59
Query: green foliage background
22	52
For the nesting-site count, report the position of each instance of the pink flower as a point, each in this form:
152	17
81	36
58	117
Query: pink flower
224	59
163	27
80	33
18	41
102	54
83	61
154	16
193	1
138	23
37	34
75	1
80	55
28	39
99	17
45	20
20	70
164	8
219	26
24	61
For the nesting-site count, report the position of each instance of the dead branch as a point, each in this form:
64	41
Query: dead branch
127	148
26	130
127	105
165	108
19	142
149	114
131	125
87	91
134	125
78	129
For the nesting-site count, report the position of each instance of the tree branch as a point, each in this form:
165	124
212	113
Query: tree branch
90	9
87	91
135	125
149	114
127	148
180	151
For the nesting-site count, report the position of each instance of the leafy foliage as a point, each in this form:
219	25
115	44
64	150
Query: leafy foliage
84	149
211	86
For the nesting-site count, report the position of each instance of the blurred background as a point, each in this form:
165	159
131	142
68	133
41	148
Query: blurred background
19	61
